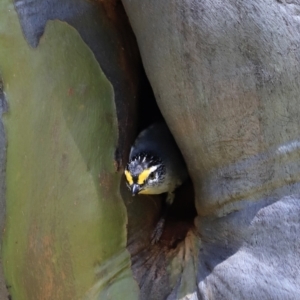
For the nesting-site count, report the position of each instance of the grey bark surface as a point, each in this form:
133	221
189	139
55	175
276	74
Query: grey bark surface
226	78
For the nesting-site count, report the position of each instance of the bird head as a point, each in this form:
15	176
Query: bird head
144	174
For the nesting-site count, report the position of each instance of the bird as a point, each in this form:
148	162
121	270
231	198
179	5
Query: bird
155	166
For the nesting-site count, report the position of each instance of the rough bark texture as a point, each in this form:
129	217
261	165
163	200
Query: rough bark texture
226	78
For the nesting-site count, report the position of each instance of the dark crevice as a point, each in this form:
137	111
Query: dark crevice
180	218
147	109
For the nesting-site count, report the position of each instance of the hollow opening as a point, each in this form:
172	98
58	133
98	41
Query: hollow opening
180	217
147	109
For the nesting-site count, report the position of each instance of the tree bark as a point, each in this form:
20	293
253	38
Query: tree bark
70	73
225	75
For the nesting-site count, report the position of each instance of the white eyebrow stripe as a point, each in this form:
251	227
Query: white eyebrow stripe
153	168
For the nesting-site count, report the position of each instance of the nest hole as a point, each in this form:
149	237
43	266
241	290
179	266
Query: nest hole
180	218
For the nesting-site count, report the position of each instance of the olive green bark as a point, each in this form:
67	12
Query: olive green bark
65	231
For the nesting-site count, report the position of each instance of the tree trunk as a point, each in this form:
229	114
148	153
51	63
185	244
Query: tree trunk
70	73
225	75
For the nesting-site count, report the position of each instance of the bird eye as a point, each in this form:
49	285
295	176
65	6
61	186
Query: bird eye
151	176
